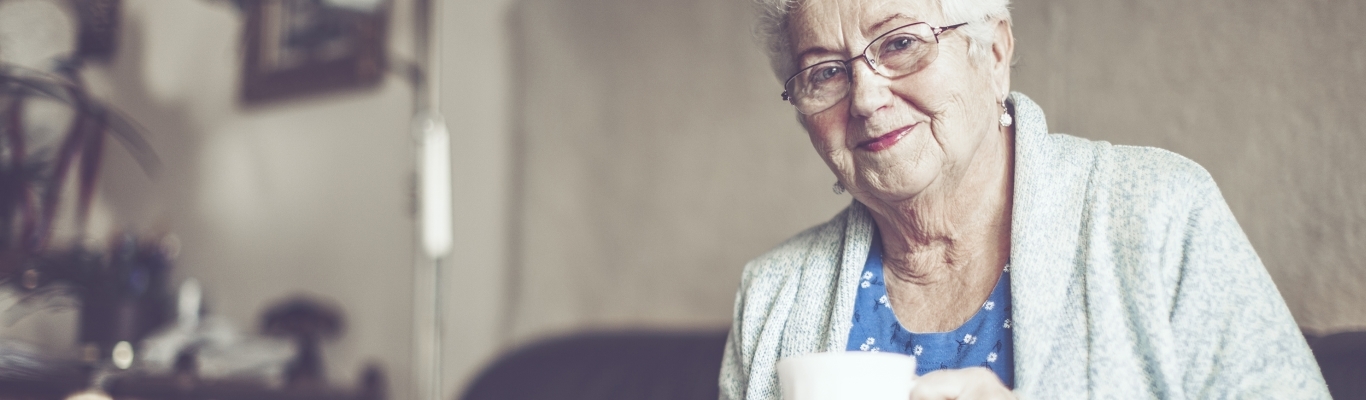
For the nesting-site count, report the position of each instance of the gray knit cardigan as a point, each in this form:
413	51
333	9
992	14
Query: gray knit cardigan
1130	278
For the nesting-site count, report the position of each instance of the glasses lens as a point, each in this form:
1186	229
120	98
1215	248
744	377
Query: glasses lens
818	87
904	51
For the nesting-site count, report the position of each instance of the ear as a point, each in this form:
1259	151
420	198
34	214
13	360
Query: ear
1002	52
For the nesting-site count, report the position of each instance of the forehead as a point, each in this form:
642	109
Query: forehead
837	24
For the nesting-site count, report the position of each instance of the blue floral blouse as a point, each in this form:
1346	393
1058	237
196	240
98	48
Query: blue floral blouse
985	340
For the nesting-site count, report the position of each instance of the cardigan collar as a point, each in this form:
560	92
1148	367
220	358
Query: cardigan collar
1047	286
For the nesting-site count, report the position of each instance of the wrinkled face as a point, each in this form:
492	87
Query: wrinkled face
891	140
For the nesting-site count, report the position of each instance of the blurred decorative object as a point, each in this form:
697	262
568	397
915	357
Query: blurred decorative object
124	298
26	373
32	177
302	47
209	347
99	27
121	295
59	29
178	364
119	292
308	321
358	5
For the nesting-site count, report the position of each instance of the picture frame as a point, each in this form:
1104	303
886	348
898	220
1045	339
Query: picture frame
296	48
99	26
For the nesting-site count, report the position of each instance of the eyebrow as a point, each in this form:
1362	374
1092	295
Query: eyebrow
814	50
875	28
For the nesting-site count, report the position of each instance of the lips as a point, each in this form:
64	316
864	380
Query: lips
886	140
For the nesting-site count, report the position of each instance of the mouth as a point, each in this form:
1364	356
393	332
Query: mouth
886	140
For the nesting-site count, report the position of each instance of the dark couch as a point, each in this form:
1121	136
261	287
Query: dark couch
607	366
1342	357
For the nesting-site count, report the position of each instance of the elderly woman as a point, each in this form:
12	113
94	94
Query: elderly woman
1010	261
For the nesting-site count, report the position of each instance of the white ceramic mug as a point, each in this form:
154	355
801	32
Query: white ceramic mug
847	375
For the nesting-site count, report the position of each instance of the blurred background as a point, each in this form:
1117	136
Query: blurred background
616	162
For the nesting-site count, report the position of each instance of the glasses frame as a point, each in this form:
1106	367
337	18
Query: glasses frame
872	63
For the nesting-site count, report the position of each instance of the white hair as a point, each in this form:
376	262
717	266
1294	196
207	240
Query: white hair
774	15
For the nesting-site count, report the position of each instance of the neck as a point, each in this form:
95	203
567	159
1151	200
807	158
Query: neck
952	232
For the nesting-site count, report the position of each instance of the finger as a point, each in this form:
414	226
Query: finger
982	384
960	384
937	385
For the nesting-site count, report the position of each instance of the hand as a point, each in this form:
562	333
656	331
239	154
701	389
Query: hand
966	384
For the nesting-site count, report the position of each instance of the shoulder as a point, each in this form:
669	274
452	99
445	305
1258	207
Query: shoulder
1118	180
1135	169
1169	230
1145	182
1160	192
1146	199
1156	170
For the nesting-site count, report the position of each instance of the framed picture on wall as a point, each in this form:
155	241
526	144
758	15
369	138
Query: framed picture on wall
99	21
301	47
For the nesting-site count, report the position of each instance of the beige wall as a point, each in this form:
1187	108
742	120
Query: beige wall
657	157
477	105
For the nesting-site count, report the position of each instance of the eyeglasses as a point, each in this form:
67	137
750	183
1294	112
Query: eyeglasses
897	53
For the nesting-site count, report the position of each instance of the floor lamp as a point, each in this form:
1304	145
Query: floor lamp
434	171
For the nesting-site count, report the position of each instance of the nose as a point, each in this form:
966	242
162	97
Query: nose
868	90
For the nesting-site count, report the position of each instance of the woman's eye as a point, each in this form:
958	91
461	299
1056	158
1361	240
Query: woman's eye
823	74
900	43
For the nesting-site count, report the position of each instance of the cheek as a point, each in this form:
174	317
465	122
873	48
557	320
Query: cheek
827	138
957	124
951	95
827	132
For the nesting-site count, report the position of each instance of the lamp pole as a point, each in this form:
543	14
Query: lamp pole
434	170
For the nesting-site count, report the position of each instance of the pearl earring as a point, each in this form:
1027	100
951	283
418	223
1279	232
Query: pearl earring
838	188
1006	120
